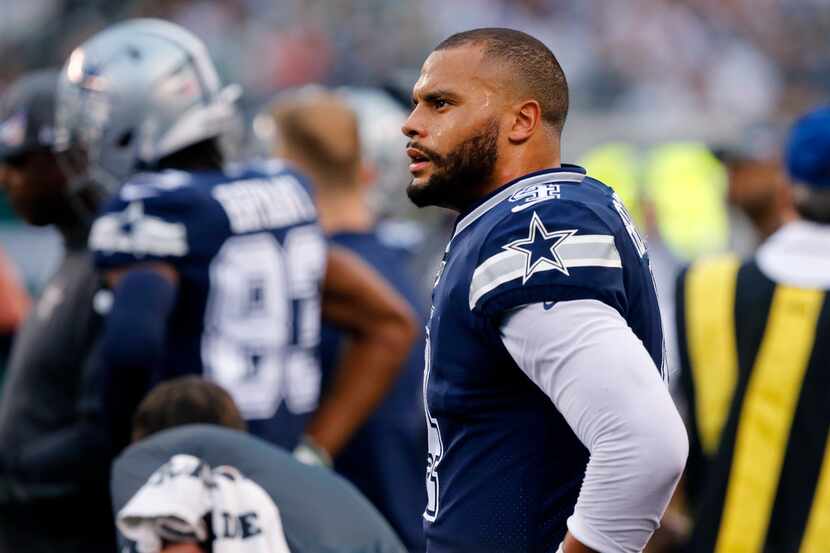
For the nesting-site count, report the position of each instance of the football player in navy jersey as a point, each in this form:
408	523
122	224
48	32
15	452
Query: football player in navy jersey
549	420
216	270
319	132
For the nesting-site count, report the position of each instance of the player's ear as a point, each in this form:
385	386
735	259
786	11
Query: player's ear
527	117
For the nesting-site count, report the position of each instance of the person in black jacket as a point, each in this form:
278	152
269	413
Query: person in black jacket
53	451
320	511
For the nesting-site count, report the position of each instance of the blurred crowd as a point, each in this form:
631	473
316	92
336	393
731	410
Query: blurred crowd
643	72
743	58
682	105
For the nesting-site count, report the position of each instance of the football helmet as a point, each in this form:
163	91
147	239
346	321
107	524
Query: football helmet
133	94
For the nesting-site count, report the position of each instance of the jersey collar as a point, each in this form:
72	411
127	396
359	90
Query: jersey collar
565	173
797	255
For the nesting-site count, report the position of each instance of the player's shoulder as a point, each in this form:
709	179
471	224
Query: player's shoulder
151	216
171	195
551	231
271	169
572	210
160	186
272	177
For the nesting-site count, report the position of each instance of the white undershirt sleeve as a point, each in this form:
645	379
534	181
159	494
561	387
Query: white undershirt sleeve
598	374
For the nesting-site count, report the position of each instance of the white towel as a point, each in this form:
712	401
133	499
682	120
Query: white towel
178	498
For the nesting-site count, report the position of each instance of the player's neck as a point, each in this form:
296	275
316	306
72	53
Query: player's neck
344	213
512	167
768	222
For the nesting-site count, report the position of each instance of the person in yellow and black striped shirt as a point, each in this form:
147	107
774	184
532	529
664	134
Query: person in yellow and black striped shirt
754	344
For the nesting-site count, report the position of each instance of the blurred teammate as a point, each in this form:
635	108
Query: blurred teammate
544	384
215	270
319	132
319	511
758	184
54	453
755	347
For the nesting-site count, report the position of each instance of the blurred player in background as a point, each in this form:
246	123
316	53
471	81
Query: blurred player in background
54	453
215	271
544	383
421	232
758	184
319	511
755	347
319	132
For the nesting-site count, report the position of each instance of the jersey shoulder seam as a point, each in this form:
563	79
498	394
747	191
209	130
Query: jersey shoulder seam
504	216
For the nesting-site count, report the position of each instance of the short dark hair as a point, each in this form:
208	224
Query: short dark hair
535	66
185	400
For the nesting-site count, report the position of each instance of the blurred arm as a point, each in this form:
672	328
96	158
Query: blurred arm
133	340
584	356
381	327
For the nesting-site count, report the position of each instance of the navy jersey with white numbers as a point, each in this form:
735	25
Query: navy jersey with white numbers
504	468
250	258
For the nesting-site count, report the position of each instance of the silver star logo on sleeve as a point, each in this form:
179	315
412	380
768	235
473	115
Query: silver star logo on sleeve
540	248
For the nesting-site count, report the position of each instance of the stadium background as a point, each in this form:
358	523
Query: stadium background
655	85
643	72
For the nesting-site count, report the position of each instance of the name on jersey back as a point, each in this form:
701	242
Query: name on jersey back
261	204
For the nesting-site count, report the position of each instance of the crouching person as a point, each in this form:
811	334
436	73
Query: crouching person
195	482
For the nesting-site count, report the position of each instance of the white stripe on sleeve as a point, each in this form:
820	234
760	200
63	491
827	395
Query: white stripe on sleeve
588	250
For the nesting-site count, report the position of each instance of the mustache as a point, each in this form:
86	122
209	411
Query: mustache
432	155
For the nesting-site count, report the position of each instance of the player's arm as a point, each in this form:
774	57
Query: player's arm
132	342
135	327
676	525
381	328
136	246
596	371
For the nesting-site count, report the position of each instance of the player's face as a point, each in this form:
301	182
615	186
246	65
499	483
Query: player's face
453	129
35	187
753	186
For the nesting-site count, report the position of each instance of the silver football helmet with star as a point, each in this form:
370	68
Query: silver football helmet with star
134	94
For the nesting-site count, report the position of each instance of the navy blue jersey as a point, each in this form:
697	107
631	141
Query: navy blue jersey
504	468
250	259
384	457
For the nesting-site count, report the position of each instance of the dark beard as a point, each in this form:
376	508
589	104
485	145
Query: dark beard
458	175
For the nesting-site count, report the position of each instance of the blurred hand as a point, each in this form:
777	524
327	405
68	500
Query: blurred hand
309	453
